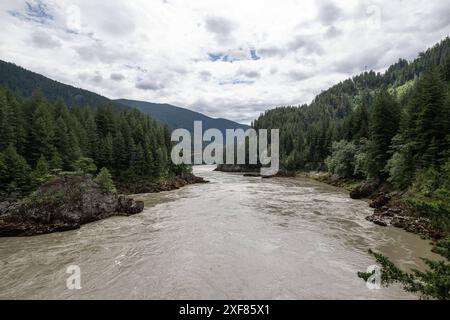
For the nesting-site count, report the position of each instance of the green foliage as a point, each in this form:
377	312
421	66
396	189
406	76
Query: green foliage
433	283
104	179
352	108
131	145
400	166
430	195
403	90
85	166
349	159
41	174
342	159
384	125
15	173
25	83
362	160
404	140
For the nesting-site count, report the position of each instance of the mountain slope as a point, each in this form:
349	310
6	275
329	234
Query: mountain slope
307	132
25	82
176	117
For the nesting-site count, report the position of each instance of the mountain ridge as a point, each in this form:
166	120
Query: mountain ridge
170	115
25	82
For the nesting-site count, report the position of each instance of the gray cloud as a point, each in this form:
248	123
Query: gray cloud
332	32
149	85
306	44
249	73
97	78
328	13
301	53
99	52
117	77
205	75
43	40
359	60
271	51
220	27
298	75
92	78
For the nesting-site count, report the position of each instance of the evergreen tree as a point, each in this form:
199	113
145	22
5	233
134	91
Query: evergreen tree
432	283
56	163
42	134
432	123
41	174
384	123
104	155
104	179
85	166
15	174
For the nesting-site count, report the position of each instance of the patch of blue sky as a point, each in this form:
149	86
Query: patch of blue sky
36	11
215	56
253	54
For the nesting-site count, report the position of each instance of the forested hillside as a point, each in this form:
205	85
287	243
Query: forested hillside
391	130
40	139
342	112
393	127
24	83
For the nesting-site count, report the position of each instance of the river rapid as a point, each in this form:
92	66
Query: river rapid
234	238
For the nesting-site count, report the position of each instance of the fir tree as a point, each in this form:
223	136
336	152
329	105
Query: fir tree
85	166
15	176
384	122
41	174
104	179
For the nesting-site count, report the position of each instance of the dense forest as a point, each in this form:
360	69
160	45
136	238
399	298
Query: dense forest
342	112
393	128
40	139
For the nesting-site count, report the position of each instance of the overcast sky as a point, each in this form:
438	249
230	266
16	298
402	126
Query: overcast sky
231	59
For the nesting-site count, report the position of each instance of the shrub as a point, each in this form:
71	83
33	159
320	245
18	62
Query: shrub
342	159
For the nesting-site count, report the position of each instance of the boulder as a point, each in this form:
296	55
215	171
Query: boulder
380	201
64	203
364	190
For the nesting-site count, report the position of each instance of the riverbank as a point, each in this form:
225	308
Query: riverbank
64	203
280	239
68	202
168	184
252	171
390	206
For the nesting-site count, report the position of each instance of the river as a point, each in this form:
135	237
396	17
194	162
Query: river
234	238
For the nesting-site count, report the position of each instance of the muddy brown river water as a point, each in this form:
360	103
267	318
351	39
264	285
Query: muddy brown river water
234	238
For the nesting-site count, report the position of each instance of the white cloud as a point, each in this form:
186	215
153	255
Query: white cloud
218	57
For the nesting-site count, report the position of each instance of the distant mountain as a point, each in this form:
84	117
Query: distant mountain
24	83
176	117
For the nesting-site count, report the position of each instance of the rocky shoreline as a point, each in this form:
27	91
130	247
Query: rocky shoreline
252	171
173	183
64	203
237	168
390	209
67	203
